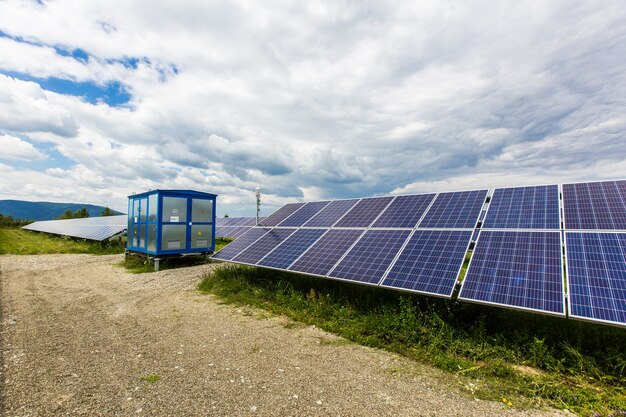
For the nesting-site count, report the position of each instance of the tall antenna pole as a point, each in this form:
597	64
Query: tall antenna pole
258	204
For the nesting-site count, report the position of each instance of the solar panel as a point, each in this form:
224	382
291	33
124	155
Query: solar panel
224	231
596	272
430	262
331	213
535	207
259	249
238	231
304	214
288	251
242	242
325	253
370	258
515	269
459	210
595	205
92	228
281	214
405	211
364	212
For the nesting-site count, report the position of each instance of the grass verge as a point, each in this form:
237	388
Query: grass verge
527	359
26	242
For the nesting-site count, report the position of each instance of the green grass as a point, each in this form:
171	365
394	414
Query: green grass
528	359
151	378
25	242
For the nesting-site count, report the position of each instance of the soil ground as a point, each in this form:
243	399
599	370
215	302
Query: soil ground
81	336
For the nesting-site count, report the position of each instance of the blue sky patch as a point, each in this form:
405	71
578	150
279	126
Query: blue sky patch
113	93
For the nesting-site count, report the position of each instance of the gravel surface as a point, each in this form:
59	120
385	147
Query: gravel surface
80	336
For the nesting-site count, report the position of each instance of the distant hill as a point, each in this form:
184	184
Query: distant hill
41	210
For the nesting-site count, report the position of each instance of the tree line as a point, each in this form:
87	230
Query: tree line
10	221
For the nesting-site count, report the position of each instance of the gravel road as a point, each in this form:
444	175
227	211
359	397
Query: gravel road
80	336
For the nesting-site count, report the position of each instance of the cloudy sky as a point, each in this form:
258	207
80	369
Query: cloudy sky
308	100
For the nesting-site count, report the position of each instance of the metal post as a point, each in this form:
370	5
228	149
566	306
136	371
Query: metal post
258	204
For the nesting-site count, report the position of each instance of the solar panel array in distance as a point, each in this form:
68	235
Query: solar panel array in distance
92	228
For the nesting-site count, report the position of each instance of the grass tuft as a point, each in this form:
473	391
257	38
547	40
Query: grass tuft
151	378
579	366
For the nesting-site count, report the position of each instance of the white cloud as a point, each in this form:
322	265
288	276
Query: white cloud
16	148
316	100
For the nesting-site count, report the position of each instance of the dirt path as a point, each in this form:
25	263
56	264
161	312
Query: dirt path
81	337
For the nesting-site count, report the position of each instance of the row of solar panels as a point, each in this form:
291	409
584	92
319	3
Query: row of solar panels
233	227
418	243
92	228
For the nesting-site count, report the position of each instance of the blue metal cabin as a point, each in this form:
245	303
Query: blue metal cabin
171	222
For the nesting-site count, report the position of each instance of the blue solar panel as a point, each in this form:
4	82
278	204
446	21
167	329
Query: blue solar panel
430	262
93	228
370	258
304	214
281	214
534	207
518	270
364	212
455	210
596	272
245	240
404	211
292	248
224	231
238	231
595	205
331	213
259	249
325	253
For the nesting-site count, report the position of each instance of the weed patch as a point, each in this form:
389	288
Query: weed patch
579	366
151	378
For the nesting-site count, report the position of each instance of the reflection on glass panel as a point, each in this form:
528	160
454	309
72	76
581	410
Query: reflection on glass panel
201	236
173	236
143	209
142	236
131	233
174	209
135	235
152	207
201	210
152	237
135	210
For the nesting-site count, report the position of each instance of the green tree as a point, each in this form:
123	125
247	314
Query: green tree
81	213
67	215
106	212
